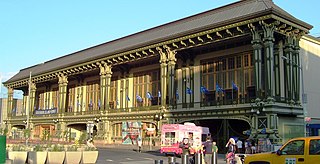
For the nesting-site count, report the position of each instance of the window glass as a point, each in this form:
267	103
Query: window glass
170	138
294	148
314	148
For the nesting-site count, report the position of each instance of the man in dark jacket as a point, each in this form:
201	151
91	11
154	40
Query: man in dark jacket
208	151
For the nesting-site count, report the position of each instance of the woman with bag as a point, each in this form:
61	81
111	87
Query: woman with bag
231	145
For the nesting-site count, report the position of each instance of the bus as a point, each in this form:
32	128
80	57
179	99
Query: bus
173	134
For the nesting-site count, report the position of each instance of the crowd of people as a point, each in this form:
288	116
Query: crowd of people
209	147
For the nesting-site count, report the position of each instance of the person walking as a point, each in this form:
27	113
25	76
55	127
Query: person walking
239	146
231	145
208	151
139	145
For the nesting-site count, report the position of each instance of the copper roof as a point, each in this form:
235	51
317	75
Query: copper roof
234	12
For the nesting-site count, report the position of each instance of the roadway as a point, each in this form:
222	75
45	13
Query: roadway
118	155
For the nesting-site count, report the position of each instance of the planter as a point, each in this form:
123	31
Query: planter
72	157
18	157
37	157
56	157
89	157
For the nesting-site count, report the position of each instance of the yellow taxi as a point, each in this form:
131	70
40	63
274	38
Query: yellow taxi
303	150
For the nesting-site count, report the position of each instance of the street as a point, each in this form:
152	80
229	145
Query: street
131	156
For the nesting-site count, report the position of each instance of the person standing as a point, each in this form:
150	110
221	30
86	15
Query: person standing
247	147
208	151
239	146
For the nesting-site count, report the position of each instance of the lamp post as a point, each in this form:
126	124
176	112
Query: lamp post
303	93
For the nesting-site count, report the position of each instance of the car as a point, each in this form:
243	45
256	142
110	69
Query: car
302	150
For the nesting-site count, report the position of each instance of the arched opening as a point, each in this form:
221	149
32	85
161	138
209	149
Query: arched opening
222	129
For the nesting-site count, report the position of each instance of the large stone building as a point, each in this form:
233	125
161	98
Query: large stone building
235	69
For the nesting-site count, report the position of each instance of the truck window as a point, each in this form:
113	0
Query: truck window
170	138
294	148
314	148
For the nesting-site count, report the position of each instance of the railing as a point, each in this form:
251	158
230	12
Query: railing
135	109
203	103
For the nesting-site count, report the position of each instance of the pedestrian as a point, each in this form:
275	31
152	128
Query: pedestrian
253	147
214	147
231	146
90	143
239	146
247	147
208	151
139	145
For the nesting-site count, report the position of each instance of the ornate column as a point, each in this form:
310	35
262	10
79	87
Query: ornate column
296	69
257	48
277	71
10	101
163	74
105	80
171	70
32	99
63	83
288	53
268	41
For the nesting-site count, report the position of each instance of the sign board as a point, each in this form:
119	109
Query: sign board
45	111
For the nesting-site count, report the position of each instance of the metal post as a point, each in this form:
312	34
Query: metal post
158	161
214	158
184	159
198	158
171	160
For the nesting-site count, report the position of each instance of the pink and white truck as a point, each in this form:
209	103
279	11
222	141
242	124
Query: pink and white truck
173	134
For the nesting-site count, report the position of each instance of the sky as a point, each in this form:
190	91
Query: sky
35	31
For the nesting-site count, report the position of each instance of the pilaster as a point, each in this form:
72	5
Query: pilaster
105	81
10	101
32	95
63	83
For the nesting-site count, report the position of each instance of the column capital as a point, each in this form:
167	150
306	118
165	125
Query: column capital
105	68
268	31
171	55
163	55
63	79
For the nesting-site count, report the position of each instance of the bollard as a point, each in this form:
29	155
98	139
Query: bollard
158	161
214	158
184	159
198	158
2	148
171	160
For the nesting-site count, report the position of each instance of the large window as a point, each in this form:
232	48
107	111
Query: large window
71	99
227	78
55	95
146	88
113	98
93	95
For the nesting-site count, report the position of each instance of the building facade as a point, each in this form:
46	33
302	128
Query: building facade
235	69
310	57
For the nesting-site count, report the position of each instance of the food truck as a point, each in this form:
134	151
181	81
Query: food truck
173	134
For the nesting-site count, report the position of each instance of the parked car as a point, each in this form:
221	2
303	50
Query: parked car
303	150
